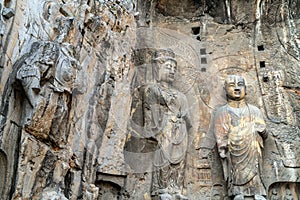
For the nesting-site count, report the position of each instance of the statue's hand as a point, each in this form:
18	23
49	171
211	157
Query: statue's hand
222	153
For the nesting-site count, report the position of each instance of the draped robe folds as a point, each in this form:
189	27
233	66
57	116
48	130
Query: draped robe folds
237	130
166	119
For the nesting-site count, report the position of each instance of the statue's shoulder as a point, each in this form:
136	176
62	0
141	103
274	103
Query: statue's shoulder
253	107
221	111
222	108
255	110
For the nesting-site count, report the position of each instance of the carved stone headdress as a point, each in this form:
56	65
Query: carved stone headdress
164	55
234	76
160	56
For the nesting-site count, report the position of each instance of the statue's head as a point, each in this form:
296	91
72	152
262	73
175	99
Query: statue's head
274	191
235	87
164	65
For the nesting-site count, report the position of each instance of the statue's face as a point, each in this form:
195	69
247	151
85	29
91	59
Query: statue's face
235	87
167	71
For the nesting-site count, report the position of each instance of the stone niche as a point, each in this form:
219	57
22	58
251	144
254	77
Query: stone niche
287	190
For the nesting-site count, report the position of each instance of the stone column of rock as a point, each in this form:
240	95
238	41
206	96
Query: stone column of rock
43	74
107	112
277	60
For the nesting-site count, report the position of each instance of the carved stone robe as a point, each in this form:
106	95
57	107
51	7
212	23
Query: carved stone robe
166	120
237	130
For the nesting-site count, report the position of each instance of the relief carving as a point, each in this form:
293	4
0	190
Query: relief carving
274	195
284	190
278	108
47	75
288	195
240	130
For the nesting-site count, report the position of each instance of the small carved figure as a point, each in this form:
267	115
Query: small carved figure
30	76
288	195
274	195
240	129
166	117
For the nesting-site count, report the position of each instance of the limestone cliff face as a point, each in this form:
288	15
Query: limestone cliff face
71	72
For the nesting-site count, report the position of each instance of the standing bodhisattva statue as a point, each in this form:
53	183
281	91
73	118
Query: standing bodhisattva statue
166	118
240	130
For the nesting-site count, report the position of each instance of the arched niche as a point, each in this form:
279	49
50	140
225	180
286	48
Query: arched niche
284	190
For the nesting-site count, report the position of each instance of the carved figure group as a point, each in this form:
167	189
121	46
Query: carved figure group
240	130
239	127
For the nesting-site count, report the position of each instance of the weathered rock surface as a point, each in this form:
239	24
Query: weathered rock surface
71	73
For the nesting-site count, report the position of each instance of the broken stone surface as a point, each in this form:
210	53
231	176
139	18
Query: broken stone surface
72	72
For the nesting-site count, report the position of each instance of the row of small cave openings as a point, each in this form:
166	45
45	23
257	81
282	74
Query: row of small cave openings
262	64
196	32
203	59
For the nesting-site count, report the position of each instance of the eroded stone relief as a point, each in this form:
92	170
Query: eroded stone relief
45	74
